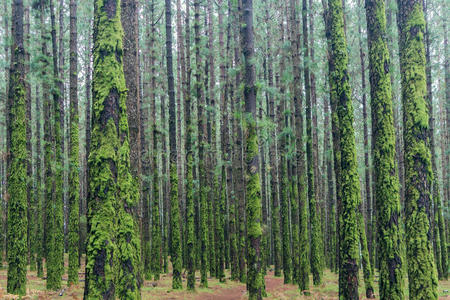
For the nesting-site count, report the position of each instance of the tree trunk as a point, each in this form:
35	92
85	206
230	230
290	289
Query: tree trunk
418	174
253	191
129	18
74	188
110	270
176	257
55	246
17	158
348	187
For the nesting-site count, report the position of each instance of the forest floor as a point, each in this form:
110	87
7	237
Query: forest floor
230	290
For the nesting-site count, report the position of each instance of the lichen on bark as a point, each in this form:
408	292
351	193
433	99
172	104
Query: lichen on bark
17	162
113	248
418	172
386	178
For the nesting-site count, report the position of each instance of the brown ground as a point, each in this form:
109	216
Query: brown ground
229	290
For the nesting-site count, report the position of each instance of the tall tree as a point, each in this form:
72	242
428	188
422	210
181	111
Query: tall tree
74	180
253	186
113	246
348	187
418	172
156	245
439	241
17	160
174	203
189	152
316	235
55	233
202	146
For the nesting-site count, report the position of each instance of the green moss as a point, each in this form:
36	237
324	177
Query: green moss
285	223
367	268
233	240
74	196
220	229
418	174
255	277
293	191
333	238
190	229
303	271
214	195
155	257
176	257
17	184
387	196
204	239
113	247
348	185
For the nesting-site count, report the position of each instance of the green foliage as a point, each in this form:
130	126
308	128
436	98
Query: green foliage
17	184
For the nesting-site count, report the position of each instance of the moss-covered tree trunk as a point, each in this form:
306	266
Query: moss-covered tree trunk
175	224
316	235
439	241
113	249
17	160
340	95
189	152
202	147
273	161
418	173
74	179
55	234
253	187
156	242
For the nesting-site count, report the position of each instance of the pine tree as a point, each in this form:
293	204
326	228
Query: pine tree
418	172
17	160
316	235
253	186
345	156
386	181
174	204
113	248
74	192
55	234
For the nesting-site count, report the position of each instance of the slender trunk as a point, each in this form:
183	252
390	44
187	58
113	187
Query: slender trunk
74	174
439	241
342	109
175	221
17	158
418	174
55	246
253	187
316	235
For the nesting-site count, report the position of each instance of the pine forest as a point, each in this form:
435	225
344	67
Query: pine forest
224	149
